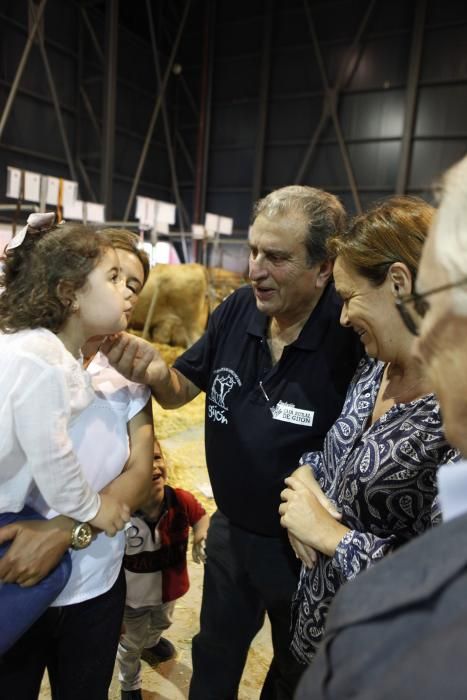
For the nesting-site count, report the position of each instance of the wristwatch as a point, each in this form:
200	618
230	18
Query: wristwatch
81	535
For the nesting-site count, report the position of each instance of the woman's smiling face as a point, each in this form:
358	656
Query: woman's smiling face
369	310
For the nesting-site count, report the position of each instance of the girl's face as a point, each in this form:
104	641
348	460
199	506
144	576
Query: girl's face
104	301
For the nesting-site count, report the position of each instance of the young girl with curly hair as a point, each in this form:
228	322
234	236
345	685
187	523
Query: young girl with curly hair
61	285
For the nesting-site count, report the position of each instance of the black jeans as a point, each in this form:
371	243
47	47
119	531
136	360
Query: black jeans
76	643
246	575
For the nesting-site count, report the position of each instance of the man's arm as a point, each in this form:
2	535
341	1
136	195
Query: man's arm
139	361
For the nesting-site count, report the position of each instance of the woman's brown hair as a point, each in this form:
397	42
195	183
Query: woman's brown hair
392	231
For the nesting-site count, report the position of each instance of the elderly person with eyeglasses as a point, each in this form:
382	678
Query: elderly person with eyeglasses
372	487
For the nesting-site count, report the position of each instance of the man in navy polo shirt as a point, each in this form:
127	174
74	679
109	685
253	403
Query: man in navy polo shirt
275	365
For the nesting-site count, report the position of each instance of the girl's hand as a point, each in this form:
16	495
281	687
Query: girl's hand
112	516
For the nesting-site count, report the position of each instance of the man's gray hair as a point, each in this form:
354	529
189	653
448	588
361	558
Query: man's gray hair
323	213
451	230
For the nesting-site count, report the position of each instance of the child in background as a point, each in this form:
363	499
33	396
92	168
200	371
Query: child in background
156	573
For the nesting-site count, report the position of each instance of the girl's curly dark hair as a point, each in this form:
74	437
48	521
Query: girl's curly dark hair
35	272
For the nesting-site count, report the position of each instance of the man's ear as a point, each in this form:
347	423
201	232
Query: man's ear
400	279
324	273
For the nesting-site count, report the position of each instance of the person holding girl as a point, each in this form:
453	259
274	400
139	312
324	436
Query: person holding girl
110	435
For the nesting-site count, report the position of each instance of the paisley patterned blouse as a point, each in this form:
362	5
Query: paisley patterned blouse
382	478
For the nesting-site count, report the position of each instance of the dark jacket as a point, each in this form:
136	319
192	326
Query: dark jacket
399	630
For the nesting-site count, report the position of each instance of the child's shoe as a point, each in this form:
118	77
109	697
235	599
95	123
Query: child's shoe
131	695
162	651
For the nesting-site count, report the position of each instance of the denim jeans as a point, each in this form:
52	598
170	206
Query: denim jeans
21	607
77	644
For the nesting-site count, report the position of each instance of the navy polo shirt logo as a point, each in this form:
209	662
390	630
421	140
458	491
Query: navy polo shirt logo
224	381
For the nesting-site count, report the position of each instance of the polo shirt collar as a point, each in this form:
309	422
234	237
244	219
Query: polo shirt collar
313	331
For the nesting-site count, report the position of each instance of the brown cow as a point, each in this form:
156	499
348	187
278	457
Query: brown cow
181	304
221	284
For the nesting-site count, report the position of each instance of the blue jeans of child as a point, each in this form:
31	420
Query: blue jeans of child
21	607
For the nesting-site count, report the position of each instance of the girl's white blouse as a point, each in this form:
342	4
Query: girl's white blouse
43	390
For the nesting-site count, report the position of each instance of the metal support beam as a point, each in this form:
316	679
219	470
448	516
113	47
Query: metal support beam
21	65
109	102
411	96
183	217
185	152
92	34
355	52
265	75
156	111
202	151
330	107
86	179
189	96
307	156
90	111
182	81
58	112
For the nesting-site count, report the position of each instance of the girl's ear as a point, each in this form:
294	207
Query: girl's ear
400	278
66	295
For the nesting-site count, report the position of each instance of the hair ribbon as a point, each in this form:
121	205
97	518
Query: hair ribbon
39	222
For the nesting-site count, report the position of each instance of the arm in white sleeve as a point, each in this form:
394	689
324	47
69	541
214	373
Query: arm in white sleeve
41	415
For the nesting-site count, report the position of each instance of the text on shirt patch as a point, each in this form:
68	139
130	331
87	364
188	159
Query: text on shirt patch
289	414
224	381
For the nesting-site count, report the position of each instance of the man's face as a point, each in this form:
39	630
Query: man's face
284	284
442	346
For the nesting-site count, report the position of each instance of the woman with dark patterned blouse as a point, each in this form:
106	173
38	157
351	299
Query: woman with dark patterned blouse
372	487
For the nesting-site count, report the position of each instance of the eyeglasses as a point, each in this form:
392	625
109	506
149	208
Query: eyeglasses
413	307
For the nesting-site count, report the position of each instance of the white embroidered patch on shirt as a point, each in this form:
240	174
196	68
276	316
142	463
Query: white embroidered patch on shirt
289	414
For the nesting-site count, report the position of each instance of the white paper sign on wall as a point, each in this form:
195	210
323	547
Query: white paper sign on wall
13	182
225	225
51	185
95	213
32	186
197	232
73	210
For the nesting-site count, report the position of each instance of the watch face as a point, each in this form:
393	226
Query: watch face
82	536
